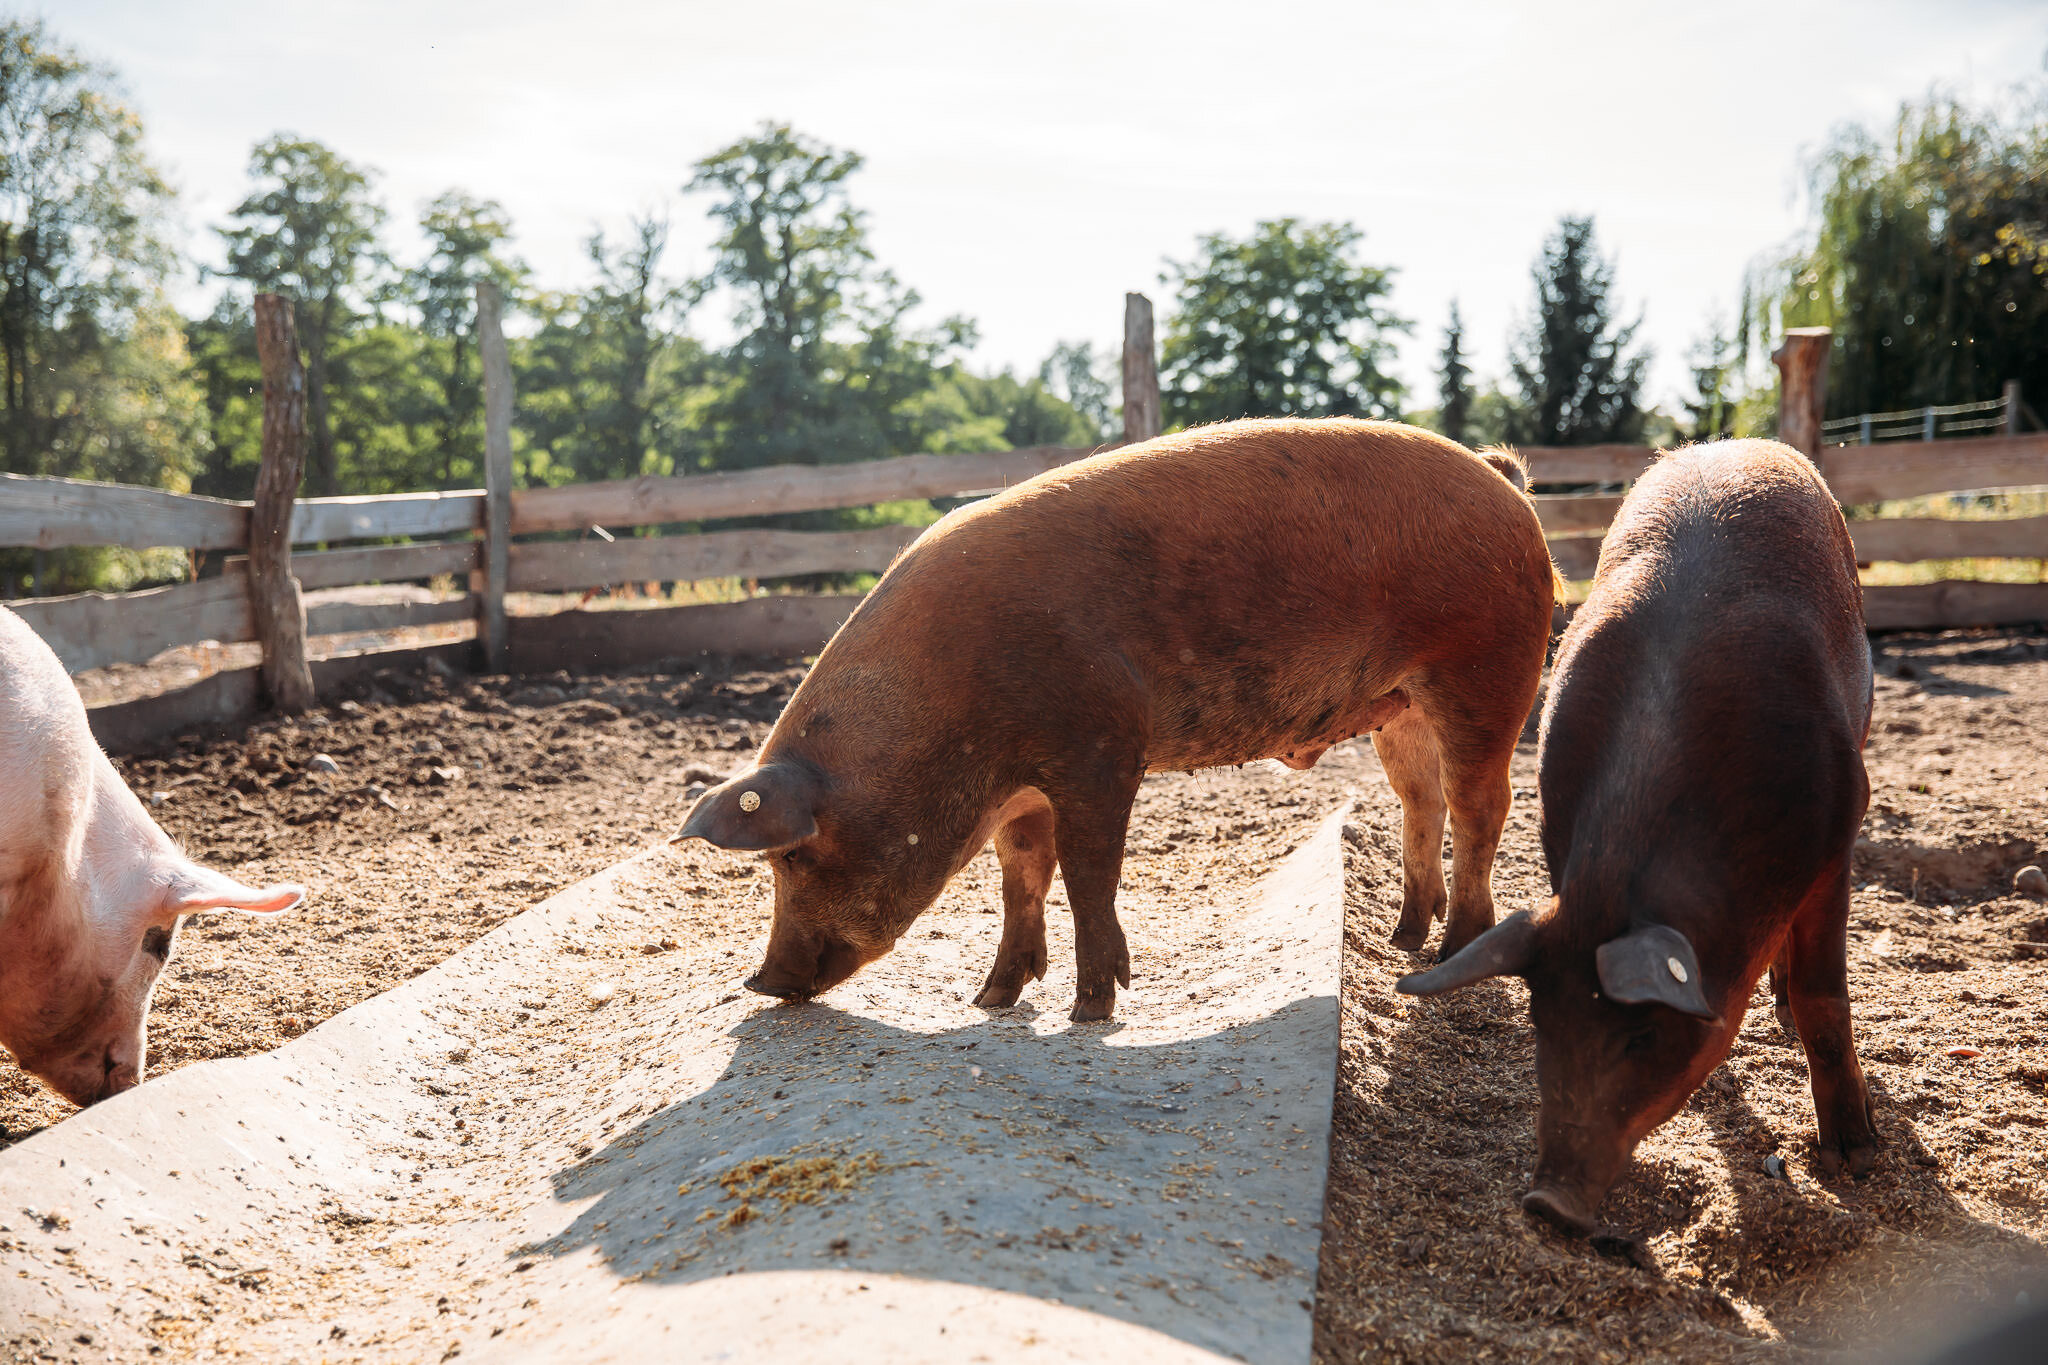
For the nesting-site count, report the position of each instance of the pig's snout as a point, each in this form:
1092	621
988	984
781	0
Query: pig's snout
1563	1207
787	974
97	1075
763	983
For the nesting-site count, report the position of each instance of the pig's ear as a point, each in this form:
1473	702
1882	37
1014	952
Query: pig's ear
1654	964
768	807
194	890
1507	949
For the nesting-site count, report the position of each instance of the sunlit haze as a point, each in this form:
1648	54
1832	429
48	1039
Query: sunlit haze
1028	163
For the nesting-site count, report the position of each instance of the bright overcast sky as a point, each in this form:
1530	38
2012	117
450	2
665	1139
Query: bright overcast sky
1028	163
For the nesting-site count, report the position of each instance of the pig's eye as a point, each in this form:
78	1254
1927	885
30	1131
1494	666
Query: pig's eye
1639	1042
795	857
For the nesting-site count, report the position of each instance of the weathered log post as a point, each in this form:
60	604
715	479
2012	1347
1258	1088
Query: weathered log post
275	607
1142	420
490	331
1802	361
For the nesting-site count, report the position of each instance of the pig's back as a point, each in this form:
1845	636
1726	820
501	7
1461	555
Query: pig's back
47	754
1284	520
1727	541
1714	690
1251	575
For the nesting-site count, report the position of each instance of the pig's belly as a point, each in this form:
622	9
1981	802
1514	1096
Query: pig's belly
1210	728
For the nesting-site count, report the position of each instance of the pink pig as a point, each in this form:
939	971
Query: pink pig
91	890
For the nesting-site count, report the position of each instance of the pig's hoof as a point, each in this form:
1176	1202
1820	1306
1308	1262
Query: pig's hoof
1560	1208
1409	938
1785	1019
999	995
1853	1158
1452	945
1092	1009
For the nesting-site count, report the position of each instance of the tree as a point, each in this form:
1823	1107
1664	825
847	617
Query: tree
1454	403
601	386
1928	256
1076	374
1710	413
1282	323
309	231
1579	382
465	238
827	365
93	378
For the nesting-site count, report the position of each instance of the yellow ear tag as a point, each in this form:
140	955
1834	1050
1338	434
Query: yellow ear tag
751	802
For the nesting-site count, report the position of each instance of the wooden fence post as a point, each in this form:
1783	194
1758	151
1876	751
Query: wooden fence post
490	333
1142	420
275	607
1802	361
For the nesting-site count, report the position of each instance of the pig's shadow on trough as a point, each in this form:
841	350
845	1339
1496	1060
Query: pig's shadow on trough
1138	1182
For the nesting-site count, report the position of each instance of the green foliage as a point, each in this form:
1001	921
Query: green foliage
1929	258
308	230
1578	382
223	350
963	413
1496	417
607	385
1454	402
93	370
1283	323
1710	413
1085	382
465	240
827	367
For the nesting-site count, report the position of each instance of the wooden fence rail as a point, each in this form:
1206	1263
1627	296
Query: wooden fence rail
568	566
655	501
96	630
52	514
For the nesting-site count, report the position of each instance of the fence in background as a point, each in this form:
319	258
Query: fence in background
1931	423
483	538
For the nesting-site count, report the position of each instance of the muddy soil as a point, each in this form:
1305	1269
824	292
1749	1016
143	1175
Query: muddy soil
457	803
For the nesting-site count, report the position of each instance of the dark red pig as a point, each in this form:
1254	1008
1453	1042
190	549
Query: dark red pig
1701	776
1248	590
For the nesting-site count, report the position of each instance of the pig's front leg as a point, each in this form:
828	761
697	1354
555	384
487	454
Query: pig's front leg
1091	827
1024	846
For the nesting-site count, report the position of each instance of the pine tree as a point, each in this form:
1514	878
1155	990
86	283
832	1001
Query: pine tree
1454	411
1710	412
1579	382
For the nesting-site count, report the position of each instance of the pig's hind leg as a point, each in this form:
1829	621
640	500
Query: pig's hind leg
1781	978
1024	846
1407	750
1819	990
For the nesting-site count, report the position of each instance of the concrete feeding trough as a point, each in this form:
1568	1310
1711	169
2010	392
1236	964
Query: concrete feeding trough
479	1163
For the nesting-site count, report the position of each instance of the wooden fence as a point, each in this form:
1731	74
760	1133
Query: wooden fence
476	537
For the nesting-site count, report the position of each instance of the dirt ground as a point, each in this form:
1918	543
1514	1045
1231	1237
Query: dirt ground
457	803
